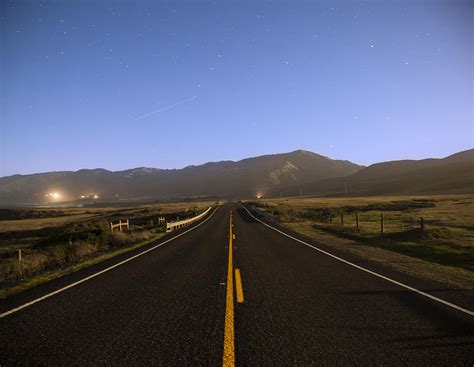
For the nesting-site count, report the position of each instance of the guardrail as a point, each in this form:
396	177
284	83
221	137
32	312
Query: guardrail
185	222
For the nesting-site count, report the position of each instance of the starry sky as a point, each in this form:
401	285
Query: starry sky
123	84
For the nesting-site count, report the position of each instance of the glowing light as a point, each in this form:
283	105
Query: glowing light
90	196
53	195
259	196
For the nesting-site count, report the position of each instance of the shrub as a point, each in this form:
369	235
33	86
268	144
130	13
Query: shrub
78	250
119	239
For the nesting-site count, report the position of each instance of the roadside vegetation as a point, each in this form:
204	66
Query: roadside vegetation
437	229
39	245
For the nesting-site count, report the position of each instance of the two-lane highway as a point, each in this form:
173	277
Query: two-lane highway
231	291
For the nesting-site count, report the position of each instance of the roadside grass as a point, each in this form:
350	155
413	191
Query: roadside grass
74	215
447	237
25	284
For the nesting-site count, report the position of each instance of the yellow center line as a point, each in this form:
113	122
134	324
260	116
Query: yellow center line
238	287
229	355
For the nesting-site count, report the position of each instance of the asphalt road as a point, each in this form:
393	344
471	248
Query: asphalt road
183	304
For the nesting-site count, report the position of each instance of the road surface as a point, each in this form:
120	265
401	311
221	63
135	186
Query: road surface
232	290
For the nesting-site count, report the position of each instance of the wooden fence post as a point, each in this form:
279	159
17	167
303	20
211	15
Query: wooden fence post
330	218
381	223
422	224
342	219
19	255
357	220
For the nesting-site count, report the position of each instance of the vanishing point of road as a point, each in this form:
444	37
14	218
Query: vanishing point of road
233	289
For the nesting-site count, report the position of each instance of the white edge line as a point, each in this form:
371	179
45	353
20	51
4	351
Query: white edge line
452	305
100	272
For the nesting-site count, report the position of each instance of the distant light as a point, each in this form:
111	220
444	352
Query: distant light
83	197
53	195
259	196
96	196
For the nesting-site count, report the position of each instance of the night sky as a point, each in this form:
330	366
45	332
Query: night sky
123	84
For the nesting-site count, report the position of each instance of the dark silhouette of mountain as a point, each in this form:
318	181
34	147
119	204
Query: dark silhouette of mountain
225	179
450	175
286	174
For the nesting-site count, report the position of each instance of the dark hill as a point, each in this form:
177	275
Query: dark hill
225	179
451	175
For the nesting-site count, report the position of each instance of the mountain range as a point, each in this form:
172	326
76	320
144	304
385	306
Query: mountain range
450	175
288	174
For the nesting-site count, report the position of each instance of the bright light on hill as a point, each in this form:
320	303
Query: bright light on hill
53	195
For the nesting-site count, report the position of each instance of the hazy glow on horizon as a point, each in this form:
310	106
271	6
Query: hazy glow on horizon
53	196
169	84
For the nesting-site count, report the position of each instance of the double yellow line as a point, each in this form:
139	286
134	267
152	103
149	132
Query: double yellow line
229	352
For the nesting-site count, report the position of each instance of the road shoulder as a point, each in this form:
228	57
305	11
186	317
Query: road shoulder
452	284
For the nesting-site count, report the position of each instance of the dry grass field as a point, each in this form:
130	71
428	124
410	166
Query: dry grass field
446	239
53	217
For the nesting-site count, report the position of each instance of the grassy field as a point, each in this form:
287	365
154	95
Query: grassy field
51	217
54	242
446	239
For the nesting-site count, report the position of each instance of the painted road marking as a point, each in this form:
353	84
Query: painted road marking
229	356
100	272
238	287
427	295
